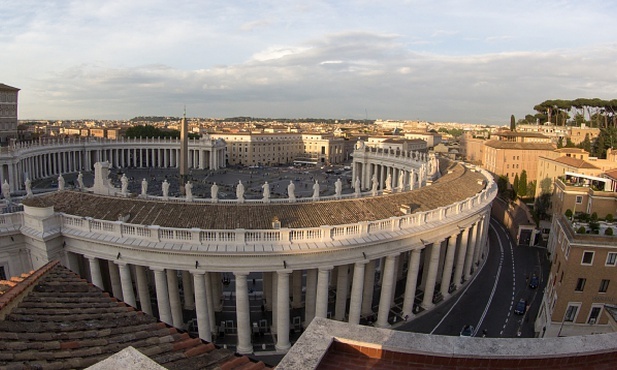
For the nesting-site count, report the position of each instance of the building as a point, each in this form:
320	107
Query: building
507	158
584	258
417	238
8	113
324	147
432	138
254	149
397	143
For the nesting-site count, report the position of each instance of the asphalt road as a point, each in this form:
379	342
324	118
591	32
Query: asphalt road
488	302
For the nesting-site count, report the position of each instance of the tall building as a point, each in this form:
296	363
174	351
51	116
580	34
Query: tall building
8	113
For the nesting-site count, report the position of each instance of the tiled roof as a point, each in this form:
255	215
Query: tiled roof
7	87
498	144
457	185
574	162
64	322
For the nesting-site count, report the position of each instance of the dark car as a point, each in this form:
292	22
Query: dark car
521	307
534	282
467	331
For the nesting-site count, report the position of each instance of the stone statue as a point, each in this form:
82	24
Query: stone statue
401	180
357	187
188	191
266	193
338	188
389	182
60	182
374	185
316	190
165	187
214	191
240	192
80	181
6	190
291	191
144	188
28	184
125	184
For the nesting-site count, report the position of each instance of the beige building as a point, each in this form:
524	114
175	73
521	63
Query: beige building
253	149
577	134
472	148
324	147
508	158
8	113
397	143
583	272
431	138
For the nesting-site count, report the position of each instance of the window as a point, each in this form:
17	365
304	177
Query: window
587	258
604	285
611	259
579	199
3	273
580	284
594	314
571	313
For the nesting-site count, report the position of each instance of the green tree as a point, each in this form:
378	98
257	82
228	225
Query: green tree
512	123
522	184
560	143
585	144
515	185
531	189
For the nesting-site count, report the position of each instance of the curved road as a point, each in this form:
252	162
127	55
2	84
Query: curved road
489	300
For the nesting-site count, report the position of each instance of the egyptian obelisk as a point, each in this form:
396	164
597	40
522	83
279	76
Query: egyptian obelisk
184	152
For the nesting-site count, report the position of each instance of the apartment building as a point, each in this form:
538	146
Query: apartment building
510	158
397	143
324	147
431	138
584	263
254	149
8	113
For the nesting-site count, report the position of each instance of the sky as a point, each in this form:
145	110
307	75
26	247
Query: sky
440	61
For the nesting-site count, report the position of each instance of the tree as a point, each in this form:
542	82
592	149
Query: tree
512	123
522	184
568	213
531	189
585	144
515	185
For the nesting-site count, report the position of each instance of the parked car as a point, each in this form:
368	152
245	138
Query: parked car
521	307
467	331
534	282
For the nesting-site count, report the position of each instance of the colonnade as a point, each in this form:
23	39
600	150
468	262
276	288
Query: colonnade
53	159
400	178
364	289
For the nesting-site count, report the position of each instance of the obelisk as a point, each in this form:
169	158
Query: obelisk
184	153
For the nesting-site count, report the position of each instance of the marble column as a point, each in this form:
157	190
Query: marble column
469	262
95	272
411	283
387	290
210	299
187	288
355	305
323	277
243	314
460	258
431	278
127	284
342	290
174	298
142	289
369	289
162	295
201	306
114	277
446	276
310	296
282	318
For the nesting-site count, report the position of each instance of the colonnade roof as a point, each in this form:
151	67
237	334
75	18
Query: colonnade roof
457	183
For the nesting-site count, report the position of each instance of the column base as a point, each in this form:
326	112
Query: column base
244	350
427	306
383	326
283	348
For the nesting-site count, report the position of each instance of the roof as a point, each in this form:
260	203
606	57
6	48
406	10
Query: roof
575	162
458	185
571	150
499	144
519	134
7	87
64	322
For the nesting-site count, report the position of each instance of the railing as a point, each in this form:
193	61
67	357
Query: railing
233	238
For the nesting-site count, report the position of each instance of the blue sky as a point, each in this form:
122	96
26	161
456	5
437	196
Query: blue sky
448	61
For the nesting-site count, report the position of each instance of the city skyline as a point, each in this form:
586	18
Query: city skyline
468	62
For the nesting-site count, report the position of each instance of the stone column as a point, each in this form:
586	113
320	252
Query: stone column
369	289
174	298
431	278
473	234
243	314
274	326
282	318
267	286
446	277
162	295
479	239
311	294
210	299
201	306
411	283
187	288
355	305
387	290
342	289
114	277
460	258
142	289
321	306
95	272
127	284
297	289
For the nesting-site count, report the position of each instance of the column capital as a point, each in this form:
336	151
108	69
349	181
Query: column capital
325	268
157	268
284	272
362	262
197	272
242	273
